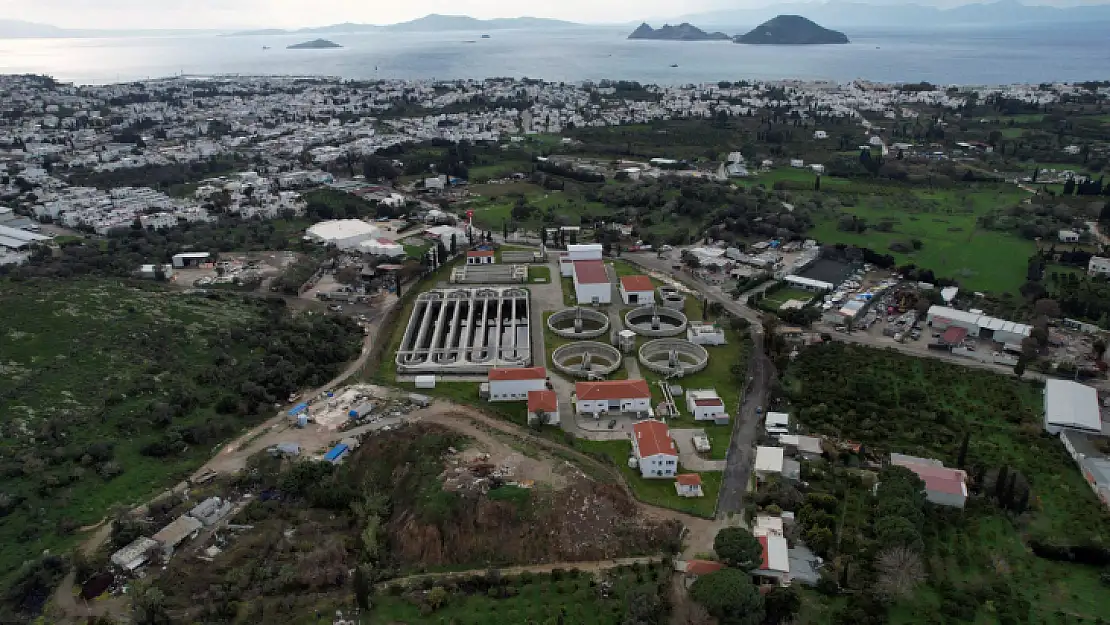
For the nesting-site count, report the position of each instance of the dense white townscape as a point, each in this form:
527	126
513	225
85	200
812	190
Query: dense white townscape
282	130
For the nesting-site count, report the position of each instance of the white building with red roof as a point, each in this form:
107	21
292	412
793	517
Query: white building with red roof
775	563
943	486
706	405
481	257
612	396
637	290
584	251
514	383
688	485
543	402
591	282
654	449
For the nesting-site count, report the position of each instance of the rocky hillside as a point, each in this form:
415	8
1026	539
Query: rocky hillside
791	30
682	32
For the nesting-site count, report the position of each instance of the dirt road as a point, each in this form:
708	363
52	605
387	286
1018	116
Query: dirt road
589	567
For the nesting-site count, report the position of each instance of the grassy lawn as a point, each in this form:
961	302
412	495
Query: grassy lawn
892	402
776	299
945	222
531	599
539	273
656	492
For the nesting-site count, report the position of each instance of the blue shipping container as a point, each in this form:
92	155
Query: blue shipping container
299	408
336	453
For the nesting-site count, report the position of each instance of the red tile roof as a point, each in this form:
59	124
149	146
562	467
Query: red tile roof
636	284
708	402
479	253
688	479
766	559
517	373
939	479
590	272
546	401
953	335
612	389
702	567
653	438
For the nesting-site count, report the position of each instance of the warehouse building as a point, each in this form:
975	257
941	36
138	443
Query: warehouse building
977	325
591	283
345	234
808	284
1071	406
190	259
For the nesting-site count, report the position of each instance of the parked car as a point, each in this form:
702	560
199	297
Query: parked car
612	423
335	308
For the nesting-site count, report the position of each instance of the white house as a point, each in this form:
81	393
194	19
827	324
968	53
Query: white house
480	257
688	485
817	169
1071	149
1068	236
1098	266
943	486
706	405
777	423
654	450
588	251
797	163
591	282
607	396
546	402
775	563
514	383
637	290
820	134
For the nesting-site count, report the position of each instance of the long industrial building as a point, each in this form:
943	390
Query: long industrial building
977	325
467	331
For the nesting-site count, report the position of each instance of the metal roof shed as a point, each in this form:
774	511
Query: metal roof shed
1071	405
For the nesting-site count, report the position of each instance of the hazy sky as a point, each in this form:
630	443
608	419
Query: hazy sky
293	13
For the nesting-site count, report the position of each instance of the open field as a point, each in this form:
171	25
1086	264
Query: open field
895	403
945	224
114	391
534	598
776	299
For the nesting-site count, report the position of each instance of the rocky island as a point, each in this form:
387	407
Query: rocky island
791	30
315	44
682	32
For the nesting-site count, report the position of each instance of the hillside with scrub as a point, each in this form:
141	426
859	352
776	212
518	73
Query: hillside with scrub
114	391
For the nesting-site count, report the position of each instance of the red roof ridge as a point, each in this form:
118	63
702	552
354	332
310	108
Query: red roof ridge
517	373
637	283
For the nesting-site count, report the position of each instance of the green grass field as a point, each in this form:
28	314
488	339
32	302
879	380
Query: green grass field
945	222
776	299
570	599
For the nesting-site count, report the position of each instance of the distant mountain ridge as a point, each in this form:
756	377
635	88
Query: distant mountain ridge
683	32
429	23
853	15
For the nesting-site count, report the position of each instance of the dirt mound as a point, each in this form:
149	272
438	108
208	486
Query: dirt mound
585	521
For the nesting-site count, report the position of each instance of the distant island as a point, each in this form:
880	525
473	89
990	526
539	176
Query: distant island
791	30
428	23
315	44
683	32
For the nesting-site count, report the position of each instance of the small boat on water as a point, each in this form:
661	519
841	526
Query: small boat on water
265	47
485	36
674	64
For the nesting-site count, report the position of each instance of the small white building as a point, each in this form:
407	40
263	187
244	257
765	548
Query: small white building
1098	266
820	134
637	290
480	257
543	404
797	163
804	447
514	383
777	423
688	485
655	452
612	396
706	405
190	259
150	272
1068	236
701	333
808	284
769	461
591	283
818	169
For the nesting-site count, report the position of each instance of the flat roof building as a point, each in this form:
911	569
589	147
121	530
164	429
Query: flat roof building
1071	406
